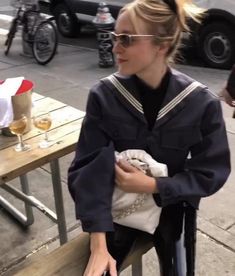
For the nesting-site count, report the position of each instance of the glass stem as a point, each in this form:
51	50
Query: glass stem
46	136
20	140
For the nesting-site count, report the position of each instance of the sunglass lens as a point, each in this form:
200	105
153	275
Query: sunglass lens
125	40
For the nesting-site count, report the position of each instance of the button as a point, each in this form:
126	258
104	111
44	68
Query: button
167	192
115	133
87	224
182	143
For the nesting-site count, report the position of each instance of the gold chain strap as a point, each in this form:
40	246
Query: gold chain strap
138	203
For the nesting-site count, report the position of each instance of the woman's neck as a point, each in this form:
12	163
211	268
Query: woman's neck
153	78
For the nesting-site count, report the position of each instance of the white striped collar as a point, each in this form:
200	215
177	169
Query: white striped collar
126	94
163	111
179	98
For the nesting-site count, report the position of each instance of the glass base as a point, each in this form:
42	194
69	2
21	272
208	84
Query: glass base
44	144
20	147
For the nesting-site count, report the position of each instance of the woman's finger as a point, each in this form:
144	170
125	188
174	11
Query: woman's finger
126	166
119	171
112	268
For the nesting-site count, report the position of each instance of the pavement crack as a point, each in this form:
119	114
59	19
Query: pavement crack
216	241
230	226
42	246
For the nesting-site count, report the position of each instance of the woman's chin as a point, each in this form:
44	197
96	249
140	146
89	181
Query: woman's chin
125	71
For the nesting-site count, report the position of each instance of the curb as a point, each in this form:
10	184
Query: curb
5	21
216	233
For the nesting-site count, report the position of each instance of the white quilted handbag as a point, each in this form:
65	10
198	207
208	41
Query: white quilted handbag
134	210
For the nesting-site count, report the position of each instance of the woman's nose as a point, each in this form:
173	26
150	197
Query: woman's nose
117	48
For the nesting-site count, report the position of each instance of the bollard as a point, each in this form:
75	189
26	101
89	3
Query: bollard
104	23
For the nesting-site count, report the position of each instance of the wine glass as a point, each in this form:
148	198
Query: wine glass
43	122
17	127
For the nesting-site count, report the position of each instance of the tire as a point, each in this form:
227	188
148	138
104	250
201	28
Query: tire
45	42
10	36
67	23
217	45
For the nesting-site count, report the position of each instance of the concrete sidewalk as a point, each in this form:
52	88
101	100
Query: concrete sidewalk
68	78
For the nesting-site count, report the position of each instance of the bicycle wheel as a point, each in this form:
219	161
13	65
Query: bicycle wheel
45	42
10	36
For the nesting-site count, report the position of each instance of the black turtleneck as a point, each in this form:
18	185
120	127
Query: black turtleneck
152	98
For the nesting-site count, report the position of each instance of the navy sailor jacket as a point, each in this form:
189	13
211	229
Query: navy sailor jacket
189	136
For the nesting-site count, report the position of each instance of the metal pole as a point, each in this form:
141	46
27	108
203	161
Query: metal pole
13	211
181	265
30	200
59	206
137	267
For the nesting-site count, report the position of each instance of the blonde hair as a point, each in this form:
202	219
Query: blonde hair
166	19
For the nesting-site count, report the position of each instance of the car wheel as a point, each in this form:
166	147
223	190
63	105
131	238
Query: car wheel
217	45
67	23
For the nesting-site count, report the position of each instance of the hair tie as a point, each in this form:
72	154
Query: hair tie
172	5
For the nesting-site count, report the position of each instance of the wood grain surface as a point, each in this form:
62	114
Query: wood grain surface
63	136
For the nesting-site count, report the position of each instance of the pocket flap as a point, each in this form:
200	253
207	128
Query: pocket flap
180	138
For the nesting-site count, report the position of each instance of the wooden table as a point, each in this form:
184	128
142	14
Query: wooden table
63	134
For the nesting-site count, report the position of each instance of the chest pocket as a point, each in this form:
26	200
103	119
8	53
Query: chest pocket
118	129
181	138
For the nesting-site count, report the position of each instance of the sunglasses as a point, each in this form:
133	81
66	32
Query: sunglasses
126	40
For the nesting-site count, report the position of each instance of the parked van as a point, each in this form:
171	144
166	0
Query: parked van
214	39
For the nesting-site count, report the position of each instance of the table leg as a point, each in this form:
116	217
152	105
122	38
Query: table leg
25	189
59	206
27	219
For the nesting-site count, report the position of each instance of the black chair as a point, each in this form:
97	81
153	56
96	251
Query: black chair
175	242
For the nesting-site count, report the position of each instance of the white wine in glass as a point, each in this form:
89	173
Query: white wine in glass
43	122
17	127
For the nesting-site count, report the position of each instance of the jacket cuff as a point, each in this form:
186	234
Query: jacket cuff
97	225
166	193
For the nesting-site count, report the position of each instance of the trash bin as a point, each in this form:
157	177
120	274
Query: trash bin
104	23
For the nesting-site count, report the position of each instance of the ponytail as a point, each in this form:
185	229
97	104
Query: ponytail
166	19
186	10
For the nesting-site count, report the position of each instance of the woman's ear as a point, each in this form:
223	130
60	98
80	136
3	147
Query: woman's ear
163	48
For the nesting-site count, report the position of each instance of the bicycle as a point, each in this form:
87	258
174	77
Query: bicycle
39	33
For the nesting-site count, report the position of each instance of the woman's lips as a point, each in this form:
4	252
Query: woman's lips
120	60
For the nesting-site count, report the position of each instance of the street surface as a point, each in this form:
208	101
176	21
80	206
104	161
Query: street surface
68	78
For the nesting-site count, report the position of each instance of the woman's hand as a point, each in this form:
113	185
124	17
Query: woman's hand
132	180
100	260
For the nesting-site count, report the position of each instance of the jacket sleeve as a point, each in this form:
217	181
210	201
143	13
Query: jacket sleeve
91	174
231	83
209	166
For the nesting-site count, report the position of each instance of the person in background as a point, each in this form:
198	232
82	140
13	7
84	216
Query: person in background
148	105
228	93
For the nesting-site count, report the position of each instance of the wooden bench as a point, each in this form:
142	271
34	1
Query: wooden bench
71	259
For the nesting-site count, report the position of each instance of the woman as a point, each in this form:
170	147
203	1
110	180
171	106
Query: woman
147	105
